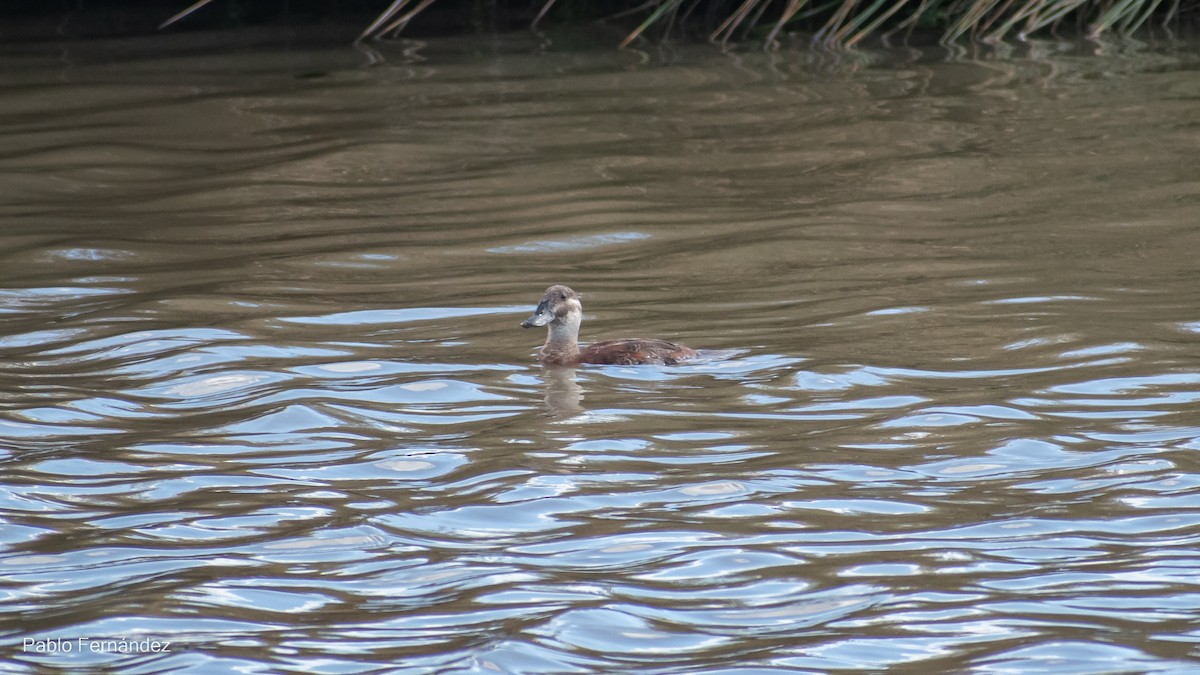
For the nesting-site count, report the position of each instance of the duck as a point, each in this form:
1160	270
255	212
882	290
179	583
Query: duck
561	312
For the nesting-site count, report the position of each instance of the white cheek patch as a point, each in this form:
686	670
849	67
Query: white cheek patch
567	310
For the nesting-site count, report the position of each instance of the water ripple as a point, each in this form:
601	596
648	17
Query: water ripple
266	396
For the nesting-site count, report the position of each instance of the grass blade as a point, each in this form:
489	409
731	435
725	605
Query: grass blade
545	8
658	13
195	6
382	19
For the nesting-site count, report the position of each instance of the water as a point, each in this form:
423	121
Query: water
267	398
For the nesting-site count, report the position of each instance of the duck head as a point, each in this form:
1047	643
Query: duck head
559	306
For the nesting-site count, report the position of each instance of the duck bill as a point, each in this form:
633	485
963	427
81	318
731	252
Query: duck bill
540	317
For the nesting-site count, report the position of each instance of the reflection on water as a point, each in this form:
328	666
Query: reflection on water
267	397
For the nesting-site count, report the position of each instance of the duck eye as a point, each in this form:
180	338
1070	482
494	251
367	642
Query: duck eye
562	296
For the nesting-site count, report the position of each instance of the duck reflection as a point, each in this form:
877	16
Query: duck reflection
563	394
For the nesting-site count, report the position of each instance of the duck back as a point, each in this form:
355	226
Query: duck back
632	352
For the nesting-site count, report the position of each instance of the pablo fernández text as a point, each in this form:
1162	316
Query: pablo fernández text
88	645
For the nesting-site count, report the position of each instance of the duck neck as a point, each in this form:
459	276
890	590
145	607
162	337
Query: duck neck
562	341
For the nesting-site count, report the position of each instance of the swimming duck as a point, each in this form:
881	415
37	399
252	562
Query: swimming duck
561	312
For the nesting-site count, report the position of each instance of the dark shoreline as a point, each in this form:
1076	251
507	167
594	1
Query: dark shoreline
343	21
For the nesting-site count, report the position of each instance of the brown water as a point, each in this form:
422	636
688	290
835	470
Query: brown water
266	397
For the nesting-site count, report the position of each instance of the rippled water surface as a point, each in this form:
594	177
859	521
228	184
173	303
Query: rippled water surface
266	396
